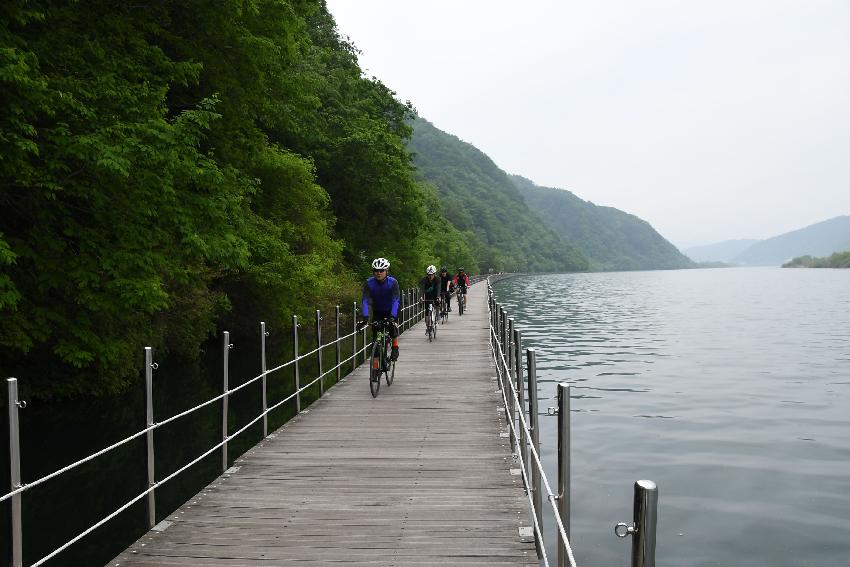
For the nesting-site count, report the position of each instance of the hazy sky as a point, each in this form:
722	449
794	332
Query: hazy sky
710	119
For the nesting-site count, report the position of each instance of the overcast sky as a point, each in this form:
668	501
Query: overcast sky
710	119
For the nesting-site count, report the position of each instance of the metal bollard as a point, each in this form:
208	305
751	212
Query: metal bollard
263	335
297	369
533	422
338	348
151	498
226	346
319	351
15	472
644	527
563	466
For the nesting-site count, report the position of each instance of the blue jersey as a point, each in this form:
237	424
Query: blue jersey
382	296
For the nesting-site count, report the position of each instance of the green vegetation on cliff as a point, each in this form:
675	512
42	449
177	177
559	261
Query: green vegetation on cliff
479	199
610	238
836	260
167	169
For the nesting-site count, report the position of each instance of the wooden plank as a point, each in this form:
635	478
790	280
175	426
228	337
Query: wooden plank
418	476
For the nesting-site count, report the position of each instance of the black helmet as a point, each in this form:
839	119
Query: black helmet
461	270
444	269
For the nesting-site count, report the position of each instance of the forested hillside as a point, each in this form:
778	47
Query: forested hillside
478	198
836	260
168	168
611	239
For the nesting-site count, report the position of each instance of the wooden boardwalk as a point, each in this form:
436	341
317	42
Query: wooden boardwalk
419	476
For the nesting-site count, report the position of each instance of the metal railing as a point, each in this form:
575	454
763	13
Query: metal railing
411	311
524	432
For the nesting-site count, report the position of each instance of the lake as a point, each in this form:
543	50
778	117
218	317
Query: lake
730	388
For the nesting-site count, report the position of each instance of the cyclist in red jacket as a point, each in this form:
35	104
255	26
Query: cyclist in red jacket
461	281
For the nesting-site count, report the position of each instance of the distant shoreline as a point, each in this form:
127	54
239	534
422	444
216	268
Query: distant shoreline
837	260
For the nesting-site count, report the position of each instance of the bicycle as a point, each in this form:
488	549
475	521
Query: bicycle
444	309
430	320
381	363
461	300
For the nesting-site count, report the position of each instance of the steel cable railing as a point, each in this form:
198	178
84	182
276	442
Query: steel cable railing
506	347
411	312
189	411
503	370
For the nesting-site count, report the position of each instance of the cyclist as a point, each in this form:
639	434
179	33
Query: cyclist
381	291
461	280
430	286
446	286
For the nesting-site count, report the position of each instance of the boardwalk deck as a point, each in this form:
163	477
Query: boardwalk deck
419	476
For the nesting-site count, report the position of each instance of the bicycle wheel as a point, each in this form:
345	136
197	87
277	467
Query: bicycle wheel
434	326
375	370
429	325
389	372
460	304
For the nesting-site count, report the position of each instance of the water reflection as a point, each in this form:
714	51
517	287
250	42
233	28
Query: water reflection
726	387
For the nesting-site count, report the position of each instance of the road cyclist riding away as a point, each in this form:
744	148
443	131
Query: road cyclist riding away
430	286
380	300
461	282
446	286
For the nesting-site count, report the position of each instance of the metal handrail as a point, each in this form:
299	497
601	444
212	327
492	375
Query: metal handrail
506	344
411	311
499	355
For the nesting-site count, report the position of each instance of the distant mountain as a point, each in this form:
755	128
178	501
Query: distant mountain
821	239
610	238
720	251
478	197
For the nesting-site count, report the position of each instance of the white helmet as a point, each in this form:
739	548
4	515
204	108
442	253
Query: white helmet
431	270
380	264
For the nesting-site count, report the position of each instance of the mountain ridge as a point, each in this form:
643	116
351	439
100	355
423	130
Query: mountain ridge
819	239
610	238
478	197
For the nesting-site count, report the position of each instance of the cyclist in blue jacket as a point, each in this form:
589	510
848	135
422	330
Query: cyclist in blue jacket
381	298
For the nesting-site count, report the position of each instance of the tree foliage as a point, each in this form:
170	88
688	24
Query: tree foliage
170	167
611	239
835	260
479	199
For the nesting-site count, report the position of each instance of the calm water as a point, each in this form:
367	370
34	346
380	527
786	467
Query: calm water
729	388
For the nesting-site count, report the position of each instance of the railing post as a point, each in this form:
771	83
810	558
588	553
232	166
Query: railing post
563	467
338	348
364	342
533	422
645	517
297	369
520	390
151	499
502	327
354	340
226	348
403	311
319	351
510	377
263	335
15	473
